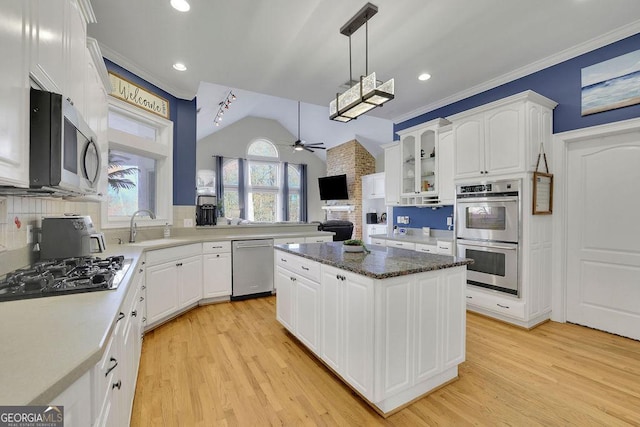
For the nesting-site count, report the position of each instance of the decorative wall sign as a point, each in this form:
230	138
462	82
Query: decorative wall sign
138	96
542	187
611	84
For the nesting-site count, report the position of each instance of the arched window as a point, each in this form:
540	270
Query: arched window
262	148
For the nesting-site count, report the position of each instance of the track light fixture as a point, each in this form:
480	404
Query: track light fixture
224	105
369	92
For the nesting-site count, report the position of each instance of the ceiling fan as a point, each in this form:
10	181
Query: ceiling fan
300	145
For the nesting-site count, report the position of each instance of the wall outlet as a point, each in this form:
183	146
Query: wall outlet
29	234
188	222
450	221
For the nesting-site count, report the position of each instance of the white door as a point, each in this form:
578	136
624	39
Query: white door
603	244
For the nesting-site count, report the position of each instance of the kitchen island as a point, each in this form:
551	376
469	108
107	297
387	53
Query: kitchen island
390	323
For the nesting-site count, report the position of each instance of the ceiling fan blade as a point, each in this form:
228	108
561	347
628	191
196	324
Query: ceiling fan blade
315	143
308	149
319	148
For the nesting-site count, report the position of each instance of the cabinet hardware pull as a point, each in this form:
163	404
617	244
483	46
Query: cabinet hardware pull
216	247
140	271
117	385
179	264
111	368
134	313
503	306
305	268
338	276
120	316
144	262
468	297
143	287
144	319
141	299
283	260
218	256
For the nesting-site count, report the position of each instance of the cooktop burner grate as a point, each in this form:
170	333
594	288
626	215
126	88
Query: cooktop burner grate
64	276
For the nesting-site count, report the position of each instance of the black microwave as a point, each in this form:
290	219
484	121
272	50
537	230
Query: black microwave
64	157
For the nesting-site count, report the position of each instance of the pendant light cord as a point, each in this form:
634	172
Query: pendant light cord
299	121
366	47
350	70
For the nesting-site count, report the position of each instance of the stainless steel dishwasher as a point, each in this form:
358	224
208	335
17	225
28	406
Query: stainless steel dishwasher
252	268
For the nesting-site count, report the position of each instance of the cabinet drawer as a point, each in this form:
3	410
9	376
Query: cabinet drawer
430	249
302	266
216	247
402	245
445	248
378	242
496	303
318	239
163	255
288	240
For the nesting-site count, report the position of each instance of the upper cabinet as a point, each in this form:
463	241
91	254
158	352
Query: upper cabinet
502	137
420	177
14	94
392	174
373	186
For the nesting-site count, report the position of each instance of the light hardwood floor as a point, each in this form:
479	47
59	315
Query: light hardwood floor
234	364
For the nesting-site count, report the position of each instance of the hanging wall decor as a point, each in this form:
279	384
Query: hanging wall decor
542	187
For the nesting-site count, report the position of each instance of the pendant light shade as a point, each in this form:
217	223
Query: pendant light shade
369	93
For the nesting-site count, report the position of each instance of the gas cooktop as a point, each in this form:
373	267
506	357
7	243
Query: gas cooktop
64	276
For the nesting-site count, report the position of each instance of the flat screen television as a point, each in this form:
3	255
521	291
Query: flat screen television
333	187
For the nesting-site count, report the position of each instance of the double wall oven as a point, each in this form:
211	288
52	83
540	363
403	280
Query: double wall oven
488	226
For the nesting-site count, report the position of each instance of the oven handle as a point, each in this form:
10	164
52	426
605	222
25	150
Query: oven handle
472	200
489	245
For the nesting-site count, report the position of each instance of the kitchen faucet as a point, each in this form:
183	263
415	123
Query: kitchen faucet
132	228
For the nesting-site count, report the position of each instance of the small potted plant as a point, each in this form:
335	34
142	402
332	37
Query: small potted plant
354	245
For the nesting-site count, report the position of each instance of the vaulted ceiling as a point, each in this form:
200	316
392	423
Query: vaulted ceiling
273	53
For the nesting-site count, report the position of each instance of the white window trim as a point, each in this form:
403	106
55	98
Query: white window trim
161	149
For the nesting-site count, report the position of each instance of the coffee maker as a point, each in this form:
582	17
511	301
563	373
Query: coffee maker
206	210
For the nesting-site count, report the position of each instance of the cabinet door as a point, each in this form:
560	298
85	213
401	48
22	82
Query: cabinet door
307	306
76	57
285	298
392	175
428	312
378	184
162	291
332	332
367	187
446	187
76	400
318	239
504	139
190	280
47	47
216	275
358	329
469	147
426	167
453	298
408	166
14	94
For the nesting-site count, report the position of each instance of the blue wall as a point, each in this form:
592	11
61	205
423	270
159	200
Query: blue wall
183	115
423	217
561	83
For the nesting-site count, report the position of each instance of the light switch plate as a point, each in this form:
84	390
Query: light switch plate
449	221
29	234
188	222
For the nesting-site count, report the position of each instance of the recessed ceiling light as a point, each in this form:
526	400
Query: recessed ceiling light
424	76
180	66
180	5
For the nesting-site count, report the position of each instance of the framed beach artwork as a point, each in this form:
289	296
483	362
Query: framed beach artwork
611	84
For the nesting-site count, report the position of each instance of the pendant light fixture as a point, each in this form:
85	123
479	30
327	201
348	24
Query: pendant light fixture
368	93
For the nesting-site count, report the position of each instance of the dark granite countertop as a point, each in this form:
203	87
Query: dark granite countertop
379	263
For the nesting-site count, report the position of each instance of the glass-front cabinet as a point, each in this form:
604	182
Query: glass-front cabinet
419	167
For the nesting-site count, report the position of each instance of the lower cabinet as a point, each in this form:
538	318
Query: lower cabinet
216	269
173	281
76	400
391	340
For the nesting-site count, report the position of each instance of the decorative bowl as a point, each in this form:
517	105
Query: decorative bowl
351	248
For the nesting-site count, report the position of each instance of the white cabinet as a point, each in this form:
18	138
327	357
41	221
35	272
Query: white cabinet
373	186
298	301
378	242
427	248
392	174
446	185
216	267
173	281
502	137
347	327
76	400
14	94
49	42
418	155
371	229
289	240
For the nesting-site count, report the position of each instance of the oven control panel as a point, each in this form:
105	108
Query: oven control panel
488	189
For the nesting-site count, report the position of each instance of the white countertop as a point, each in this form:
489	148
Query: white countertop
48	343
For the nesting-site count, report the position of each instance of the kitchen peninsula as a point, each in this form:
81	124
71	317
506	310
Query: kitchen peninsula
389	322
